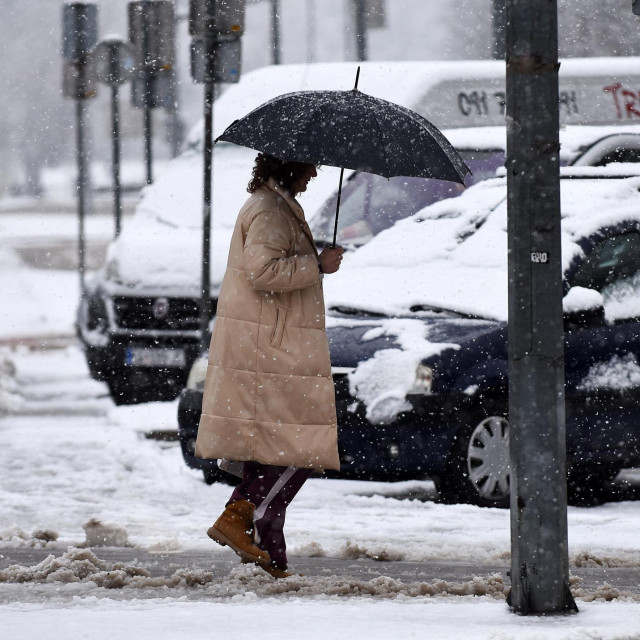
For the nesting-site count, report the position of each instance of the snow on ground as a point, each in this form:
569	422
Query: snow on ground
247	616
98	464
43	301
69	458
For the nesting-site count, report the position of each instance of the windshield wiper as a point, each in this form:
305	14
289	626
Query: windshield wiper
417	308
353	311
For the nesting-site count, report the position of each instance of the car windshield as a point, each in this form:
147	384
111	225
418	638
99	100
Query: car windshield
371	203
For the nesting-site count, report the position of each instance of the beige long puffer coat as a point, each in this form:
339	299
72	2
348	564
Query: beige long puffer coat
269	394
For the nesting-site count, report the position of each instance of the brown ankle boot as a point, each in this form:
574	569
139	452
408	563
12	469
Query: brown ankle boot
235	528
276	572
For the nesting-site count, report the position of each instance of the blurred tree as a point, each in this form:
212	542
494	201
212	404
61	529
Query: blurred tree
596	28
32	132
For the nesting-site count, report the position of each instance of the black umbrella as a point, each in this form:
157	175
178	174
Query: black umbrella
351	130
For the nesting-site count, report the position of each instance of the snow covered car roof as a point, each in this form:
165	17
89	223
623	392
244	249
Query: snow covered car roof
453	254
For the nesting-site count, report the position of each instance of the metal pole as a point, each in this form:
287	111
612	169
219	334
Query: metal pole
147	144
498	26
174	121
115	130
539	555
205	306
361	30
275	30
83	185
147	98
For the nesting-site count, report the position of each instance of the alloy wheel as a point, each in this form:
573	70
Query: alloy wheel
488	462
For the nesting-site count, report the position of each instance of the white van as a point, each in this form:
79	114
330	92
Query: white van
139	322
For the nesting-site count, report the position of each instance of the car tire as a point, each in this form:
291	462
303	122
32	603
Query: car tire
211	476
122	393
96	363
477	469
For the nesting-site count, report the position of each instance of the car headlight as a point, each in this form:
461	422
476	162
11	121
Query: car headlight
423	381
198	373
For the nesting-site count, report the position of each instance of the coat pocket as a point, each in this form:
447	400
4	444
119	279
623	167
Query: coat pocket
278	328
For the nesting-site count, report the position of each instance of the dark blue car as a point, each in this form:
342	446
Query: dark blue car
417	328
451	422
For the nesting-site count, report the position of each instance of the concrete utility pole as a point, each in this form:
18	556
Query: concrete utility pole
539	556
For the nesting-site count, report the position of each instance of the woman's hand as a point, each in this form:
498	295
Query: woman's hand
330	259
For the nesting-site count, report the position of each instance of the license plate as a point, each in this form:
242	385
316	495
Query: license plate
140	357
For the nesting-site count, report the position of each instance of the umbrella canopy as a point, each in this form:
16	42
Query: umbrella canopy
349	129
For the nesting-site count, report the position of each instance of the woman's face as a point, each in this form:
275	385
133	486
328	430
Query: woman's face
309	173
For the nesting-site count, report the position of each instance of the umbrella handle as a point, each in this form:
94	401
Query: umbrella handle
335	226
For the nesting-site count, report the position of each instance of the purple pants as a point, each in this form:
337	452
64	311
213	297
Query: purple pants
270	489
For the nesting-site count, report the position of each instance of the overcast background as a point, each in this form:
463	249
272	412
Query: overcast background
37	126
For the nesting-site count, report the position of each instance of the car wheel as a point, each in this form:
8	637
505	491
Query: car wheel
211	476
214	475
96	364
478	469
122	392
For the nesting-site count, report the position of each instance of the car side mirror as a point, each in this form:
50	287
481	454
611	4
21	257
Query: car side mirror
583	308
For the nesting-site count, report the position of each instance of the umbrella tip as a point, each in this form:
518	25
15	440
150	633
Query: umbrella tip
355	88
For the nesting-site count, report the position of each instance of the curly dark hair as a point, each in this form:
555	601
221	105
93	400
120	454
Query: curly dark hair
285	173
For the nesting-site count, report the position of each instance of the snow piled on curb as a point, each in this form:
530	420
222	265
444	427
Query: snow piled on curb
84	566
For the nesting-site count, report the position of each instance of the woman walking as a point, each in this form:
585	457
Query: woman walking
269	400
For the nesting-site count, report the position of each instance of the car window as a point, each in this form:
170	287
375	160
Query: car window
397	198
611	260
619	155
370	204
613	268
622	299
353	227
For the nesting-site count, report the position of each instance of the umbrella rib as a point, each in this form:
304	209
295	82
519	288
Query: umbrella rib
383	140
303	134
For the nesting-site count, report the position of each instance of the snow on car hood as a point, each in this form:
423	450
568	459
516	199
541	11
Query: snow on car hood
453	254
384	354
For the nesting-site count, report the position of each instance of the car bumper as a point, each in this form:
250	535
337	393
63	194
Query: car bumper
189	410
415	445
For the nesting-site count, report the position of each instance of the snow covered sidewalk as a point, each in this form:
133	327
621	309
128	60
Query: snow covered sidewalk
69	457
246	616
